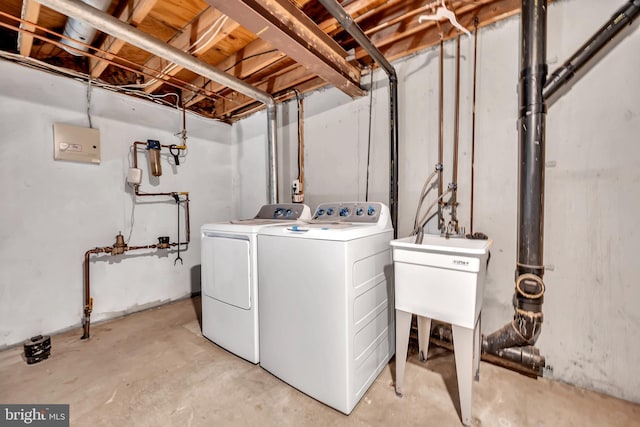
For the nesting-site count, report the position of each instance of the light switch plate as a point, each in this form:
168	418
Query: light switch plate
77	144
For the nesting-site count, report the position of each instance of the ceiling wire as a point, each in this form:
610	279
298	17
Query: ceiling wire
89	103
184	85
366	194
43	66
217	25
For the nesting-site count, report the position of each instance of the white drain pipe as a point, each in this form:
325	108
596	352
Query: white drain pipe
118	29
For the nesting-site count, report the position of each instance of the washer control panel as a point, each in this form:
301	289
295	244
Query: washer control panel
284	211
367	212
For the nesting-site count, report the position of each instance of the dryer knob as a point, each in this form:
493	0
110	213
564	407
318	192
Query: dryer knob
344	211
371	211
330	211
359	211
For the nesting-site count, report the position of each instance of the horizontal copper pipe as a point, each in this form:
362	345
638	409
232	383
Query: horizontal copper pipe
181	84
88	300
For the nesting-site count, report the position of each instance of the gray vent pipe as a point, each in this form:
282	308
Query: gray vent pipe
118	29
350	26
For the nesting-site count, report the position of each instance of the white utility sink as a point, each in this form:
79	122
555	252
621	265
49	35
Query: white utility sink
443	279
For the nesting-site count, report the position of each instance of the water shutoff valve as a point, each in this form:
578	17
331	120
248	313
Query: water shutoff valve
120	246
163	242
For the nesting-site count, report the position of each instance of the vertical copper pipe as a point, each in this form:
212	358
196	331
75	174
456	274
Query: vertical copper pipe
473	121
456	141
441	140
87	297
88	301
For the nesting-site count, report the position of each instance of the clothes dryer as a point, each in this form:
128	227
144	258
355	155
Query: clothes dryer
230	278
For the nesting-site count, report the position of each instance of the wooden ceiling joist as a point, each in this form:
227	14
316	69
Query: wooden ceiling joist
394	44
287	29
30	12
253	57
196	38
132	13
233	101
276	45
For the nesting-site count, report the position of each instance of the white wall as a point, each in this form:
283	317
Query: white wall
591	331
54	211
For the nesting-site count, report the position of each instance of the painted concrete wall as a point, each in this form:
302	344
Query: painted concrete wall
53	211
591	331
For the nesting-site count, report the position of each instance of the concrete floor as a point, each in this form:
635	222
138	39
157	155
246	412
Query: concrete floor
155	369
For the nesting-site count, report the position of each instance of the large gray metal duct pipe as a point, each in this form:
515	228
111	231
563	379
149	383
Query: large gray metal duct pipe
113	26
359	36
525	327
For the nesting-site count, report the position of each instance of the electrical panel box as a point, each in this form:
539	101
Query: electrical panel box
76	144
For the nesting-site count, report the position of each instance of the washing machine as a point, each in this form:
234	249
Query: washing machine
326	301
229	253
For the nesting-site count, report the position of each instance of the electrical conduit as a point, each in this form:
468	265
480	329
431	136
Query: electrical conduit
351	27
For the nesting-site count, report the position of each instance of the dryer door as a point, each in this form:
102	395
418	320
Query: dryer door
226	269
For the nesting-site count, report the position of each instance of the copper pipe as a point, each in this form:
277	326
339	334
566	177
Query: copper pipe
184	84
171	194
456	140
136	187
88	300
473	121
441	140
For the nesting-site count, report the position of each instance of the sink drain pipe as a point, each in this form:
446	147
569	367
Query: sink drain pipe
512	345
515	341
622	18
525	327
351	27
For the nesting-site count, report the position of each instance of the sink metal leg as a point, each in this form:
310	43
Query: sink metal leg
424	331
403	327
463	343
476	350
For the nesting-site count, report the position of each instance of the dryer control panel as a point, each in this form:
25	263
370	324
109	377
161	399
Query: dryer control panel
284	211
363	212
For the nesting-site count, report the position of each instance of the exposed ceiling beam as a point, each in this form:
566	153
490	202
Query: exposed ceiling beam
133	13
200	35
286	28
30	12
305	87
421	36
356	9
260	54
111	25
292	76
253	57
